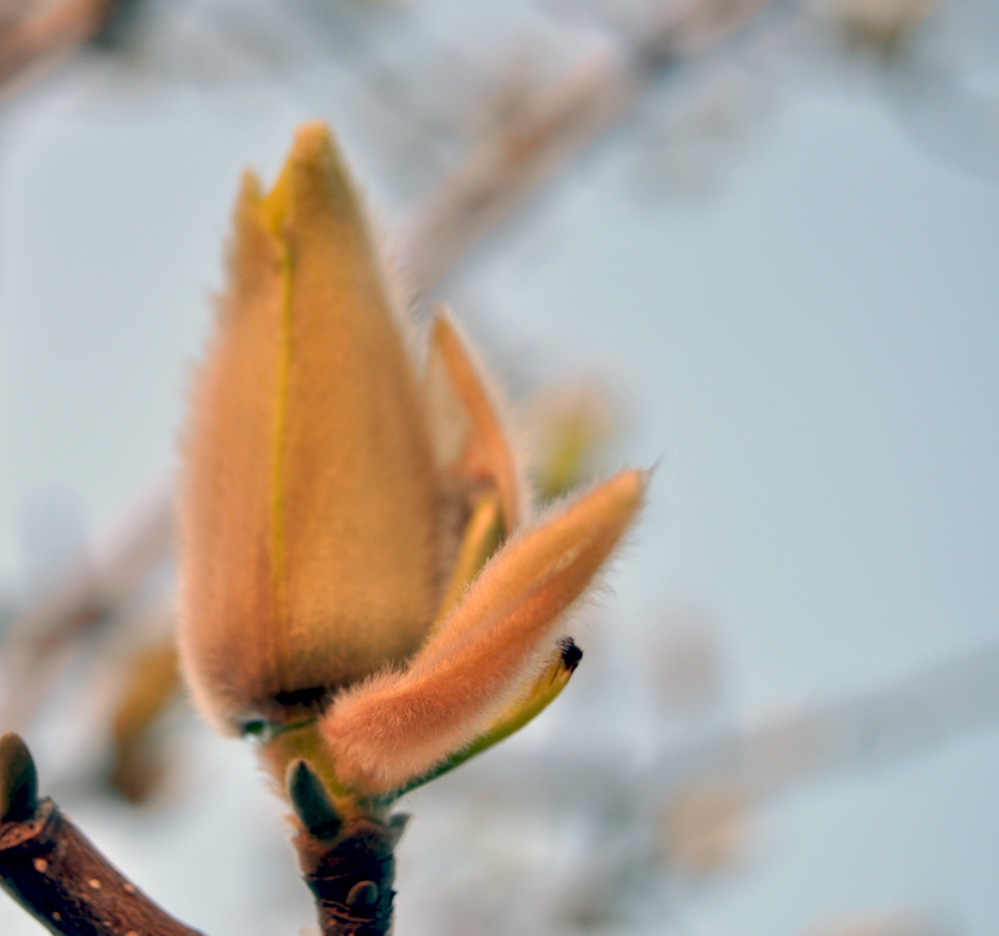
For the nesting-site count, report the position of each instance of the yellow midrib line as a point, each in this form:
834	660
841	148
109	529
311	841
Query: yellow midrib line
278	461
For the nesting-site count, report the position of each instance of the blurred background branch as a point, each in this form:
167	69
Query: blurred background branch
36	34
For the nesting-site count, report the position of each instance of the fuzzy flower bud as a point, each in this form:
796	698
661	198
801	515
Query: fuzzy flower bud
337	506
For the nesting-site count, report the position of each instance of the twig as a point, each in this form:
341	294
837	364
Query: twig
511	162
920	710
35	40
52	870
351	876
755	762
90	590
555	125
57	874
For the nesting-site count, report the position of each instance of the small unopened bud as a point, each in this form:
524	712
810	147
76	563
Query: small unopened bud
311	802
18	780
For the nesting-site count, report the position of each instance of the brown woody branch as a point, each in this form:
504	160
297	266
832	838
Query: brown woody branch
351	876
58	875
52	870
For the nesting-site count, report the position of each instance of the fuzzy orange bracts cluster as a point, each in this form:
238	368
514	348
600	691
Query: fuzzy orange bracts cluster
363	580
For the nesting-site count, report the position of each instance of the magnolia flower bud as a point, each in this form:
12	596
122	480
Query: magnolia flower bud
309	507
338	512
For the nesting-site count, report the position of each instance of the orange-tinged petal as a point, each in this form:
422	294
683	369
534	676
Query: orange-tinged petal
544	689
470	438
398	726
310	498
226	648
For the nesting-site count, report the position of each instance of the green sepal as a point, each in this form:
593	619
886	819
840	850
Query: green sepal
18	780
311	801
483	535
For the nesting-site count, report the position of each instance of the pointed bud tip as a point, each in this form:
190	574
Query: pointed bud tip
18	780
249	185
311	801
316	153
314	173
313	142
630	487
614	504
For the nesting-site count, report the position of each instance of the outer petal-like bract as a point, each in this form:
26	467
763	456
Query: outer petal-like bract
397	726
472	445
310	498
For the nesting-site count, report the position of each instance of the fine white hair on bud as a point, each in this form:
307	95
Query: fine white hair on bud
309	501
397	726
362	582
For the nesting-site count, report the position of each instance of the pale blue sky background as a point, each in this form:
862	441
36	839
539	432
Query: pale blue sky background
810	347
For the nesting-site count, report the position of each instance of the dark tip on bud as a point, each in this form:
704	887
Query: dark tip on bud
363	895
571	654
311	801
18	780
